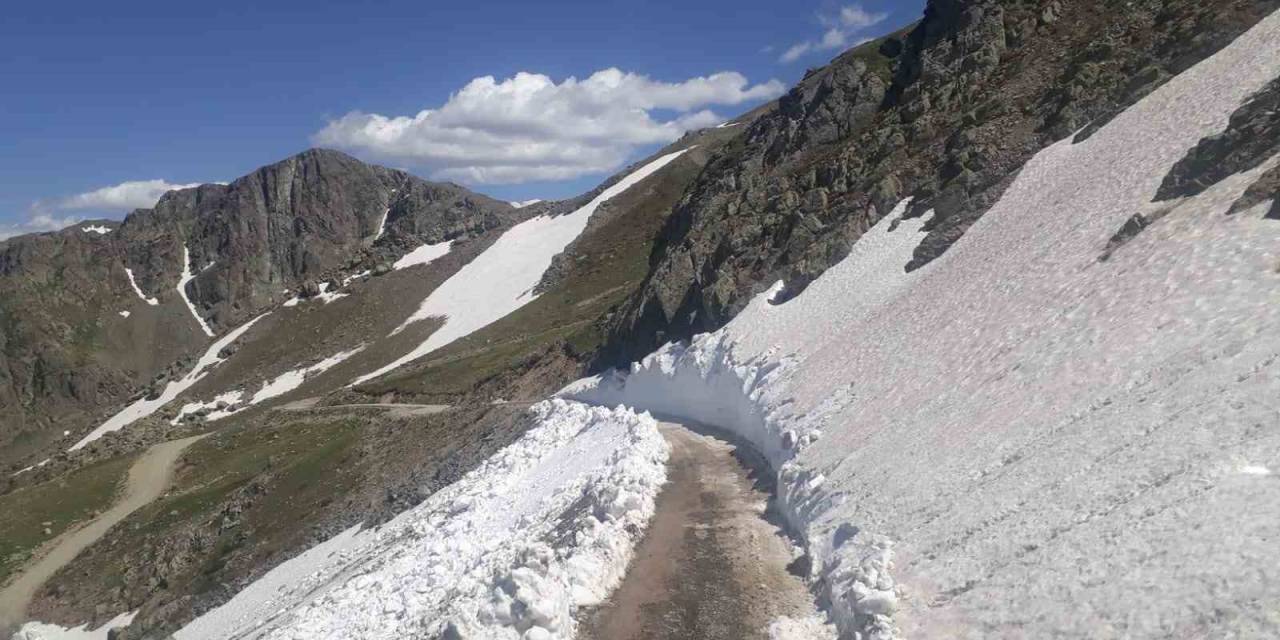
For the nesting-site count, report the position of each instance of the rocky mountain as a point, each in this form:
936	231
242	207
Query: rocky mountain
232	250
288	318
946	111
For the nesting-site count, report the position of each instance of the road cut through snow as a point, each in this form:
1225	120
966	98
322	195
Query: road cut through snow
1017	435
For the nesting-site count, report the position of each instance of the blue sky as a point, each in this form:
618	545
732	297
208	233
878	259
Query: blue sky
101	96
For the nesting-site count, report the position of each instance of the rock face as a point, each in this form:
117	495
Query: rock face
945	111
64	346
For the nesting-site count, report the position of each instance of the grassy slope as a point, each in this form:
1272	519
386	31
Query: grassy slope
60	503
607	263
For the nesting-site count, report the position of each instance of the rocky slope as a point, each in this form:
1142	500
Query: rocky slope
90	318
946	111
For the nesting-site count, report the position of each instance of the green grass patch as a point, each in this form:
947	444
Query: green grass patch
297	452
61	503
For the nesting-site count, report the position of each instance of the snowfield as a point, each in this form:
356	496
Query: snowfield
145	407
422	255
511	550
502	278
1019	439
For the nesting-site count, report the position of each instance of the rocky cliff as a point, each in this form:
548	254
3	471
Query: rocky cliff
76	335
945	111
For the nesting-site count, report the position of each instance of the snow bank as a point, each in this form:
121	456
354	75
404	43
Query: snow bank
43	631
145	407
502	278
99	229
509	551
423	255
134	283
1019	436
187	277
520	204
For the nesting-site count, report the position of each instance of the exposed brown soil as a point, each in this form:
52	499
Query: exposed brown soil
711	565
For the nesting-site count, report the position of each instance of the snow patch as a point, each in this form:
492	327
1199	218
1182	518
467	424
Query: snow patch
124	314
382	224
357	276
325	296
43	631
423	255
1255	470
284	383
101	230
145	407
512	550
134	283
187	277
520	204
501	279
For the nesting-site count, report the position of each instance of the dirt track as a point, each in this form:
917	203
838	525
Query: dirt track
710	566
148	478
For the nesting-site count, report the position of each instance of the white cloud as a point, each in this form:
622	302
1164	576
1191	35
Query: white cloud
36	223
126	196
49	215
840	31
529	128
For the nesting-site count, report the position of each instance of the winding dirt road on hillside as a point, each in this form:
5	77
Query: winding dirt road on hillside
148	478
711	564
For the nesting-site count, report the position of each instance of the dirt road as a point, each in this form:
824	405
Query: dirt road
148	478
711	565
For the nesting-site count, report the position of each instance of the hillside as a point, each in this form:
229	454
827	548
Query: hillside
971	334
92	319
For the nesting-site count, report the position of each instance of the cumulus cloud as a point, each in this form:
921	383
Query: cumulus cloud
117	198
530	128
51	215
840	31
35	223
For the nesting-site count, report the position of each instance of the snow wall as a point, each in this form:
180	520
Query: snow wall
1021	436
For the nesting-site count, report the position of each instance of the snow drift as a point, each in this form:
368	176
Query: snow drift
509	551
1019	436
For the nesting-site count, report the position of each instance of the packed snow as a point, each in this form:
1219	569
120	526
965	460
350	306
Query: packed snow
144	407
1018	436
423	255
99	229
44	631
325	296
232	402
134	283
512	550
502	278
187	277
